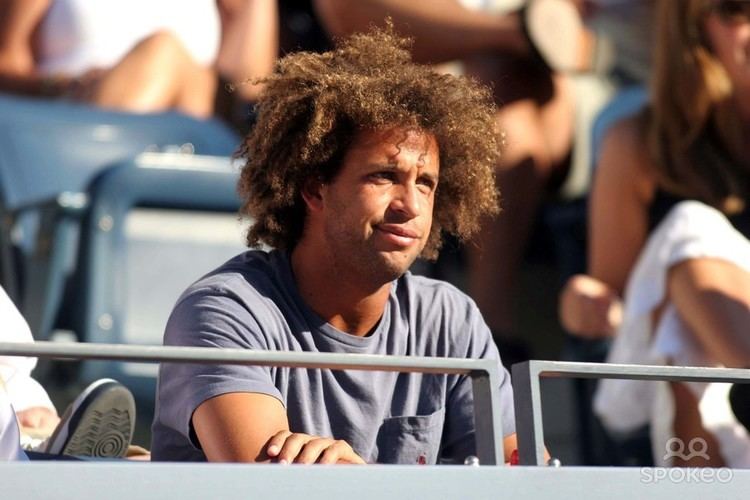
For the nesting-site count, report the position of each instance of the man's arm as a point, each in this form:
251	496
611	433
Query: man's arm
253	427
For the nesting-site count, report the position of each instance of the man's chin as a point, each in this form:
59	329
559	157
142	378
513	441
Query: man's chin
395	264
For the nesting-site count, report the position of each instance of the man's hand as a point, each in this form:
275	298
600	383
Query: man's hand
287	447
253	427
589	308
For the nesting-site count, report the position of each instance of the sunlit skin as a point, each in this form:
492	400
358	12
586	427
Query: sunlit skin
367	226
729	40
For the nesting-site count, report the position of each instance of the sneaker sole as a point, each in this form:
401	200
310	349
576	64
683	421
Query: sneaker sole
102	423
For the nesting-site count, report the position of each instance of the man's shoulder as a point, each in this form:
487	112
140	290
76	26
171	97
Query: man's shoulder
244	299
246	275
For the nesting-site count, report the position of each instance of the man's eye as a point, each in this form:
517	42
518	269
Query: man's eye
383	176
426	185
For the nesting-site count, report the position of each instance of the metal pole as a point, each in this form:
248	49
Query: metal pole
487	416
528	406
528	402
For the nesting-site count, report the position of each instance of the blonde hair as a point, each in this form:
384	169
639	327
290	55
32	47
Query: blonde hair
693	132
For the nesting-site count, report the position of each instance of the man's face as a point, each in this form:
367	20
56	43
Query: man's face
377	212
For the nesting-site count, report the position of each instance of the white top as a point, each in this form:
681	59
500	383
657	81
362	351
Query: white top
10	448
691	230
22	390
78	35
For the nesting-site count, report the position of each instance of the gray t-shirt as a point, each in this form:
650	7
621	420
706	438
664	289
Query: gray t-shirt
252	302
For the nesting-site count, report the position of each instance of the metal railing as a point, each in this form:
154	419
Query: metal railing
528	401
484	373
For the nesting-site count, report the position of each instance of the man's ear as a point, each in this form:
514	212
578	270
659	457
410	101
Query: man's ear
312	193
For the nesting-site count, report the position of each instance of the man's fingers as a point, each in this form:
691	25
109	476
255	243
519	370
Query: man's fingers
276	443
286	447
340	452
313	449
350	457
292	447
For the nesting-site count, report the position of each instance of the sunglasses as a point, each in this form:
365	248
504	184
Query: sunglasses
734	11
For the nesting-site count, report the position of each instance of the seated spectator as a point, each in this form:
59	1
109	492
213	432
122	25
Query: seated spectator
360	162
135	56
669	224
533	54
10	448
99	422
248	51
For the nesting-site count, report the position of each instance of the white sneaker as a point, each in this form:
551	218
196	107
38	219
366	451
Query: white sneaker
98	423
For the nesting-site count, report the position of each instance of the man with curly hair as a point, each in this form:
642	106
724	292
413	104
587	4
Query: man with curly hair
359	162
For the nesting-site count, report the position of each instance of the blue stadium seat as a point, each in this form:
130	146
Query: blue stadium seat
50	152
155	224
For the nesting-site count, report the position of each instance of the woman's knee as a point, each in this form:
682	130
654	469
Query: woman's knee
712	297
524	145
165	48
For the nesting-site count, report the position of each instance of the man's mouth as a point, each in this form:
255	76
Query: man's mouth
398	235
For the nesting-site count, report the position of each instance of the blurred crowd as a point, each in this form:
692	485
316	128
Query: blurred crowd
667	259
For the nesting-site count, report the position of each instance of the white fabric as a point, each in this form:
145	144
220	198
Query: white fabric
10	448
24	392
497	7
690	230
78	35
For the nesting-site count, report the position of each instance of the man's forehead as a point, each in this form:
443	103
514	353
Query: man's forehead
392	140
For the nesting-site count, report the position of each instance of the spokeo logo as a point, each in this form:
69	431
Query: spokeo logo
686	475
697	447
675	448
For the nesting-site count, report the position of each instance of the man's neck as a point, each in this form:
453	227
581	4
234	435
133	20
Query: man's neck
343	300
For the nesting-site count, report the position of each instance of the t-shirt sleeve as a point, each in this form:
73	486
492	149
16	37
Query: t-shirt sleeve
210	318
473	340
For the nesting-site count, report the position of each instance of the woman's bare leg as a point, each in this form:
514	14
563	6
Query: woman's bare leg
158	74
249	44
712	297
688	426
443	30
536	115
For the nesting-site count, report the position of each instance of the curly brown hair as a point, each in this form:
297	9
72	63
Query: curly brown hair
314	104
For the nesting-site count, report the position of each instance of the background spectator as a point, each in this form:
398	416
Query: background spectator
136	56
686	267
543	111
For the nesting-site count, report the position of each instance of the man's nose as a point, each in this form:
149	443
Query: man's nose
406	201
